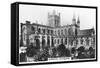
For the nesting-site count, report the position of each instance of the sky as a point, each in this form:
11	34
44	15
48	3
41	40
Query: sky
39	14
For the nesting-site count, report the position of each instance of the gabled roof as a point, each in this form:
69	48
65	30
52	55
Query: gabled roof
86	32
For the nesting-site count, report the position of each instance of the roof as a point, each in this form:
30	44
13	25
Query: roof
86	32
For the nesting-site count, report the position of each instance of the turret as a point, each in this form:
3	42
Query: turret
78	22
74	20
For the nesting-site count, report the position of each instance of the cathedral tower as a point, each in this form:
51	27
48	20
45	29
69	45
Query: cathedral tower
54	19
78	22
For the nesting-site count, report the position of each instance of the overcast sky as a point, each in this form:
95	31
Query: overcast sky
38	13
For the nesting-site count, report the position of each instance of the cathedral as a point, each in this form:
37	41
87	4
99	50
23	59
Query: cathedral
53	34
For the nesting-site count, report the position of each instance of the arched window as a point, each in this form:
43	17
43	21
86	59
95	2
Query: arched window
65	31
48	31
75	31
81	40
61	32
61	41
23	29
66	41
70	31
33	29
87	41
76	42
55	41
43	31
58	41
71	41
55	32
51	31
58	32
39	30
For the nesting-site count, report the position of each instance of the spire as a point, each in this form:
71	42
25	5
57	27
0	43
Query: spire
78	20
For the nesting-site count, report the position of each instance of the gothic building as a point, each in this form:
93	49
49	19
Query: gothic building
53	34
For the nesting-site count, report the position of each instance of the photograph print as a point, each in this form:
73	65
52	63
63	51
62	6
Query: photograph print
56	34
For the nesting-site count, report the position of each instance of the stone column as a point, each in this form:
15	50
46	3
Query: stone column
50	41
45	40
84	41
40	42
68	42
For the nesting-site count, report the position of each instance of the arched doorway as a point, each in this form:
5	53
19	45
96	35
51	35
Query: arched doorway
38	43
43	43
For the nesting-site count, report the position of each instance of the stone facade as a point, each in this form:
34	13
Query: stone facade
54	34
